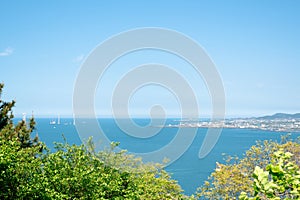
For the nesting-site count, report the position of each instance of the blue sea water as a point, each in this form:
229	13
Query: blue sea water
188	170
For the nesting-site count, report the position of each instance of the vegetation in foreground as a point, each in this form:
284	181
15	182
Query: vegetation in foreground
28	170
269	170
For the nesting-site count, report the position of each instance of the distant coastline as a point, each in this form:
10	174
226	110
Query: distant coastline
279	122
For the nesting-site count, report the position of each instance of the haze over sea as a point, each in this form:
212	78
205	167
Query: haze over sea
189	170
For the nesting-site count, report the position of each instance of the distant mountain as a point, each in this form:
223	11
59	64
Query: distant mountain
281	116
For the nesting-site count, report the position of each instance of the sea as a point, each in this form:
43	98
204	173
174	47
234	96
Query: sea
189	170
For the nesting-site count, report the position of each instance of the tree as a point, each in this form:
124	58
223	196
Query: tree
21	131
235	176
18	169
5	110
18	151
77	172
281	180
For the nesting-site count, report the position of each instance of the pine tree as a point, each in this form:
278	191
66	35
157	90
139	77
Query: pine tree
9	130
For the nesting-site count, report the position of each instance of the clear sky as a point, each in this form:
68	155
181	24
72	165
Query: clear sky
255	45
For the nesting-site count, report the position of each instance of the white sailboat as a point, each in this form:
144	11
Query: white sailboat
53	122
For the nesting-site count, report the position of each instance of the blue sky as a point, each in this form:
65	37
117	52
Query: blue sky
255	45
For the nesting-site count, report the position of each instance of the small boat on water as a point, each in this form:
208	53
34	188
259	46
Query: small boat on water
53	122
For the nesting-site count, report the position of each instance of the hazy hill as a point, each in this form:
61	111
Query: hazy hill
281	116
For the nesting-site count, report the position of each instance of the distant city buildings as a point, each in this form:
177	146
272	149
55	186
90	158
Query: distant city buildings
279	125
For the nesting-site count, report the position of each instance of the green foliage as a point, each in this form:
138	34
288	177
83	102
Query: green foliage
229	179
18	152
76	172
18	168
281	180
5	110
73	172
20	131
